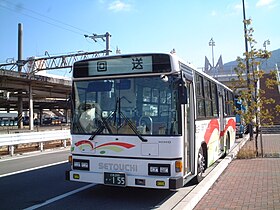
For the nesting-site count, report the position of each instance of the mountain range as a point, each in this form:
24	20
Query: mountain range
268	65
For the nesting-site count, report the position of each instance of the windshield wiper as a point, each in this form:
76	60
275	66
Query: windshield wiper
101	127
127	120
133	128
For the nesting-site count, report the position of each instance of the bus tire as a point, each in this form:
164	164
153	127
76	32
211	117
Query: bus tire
200	166
227	144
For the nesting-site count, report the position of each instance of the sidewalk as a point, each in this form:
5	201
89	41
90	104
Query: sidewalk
248	183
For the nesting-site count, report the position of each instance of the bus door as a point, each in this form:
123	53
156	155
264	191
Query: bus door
221	119
188	119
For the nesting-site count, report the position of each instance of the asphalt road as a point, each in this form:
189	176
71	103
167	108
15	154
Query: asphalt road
37	181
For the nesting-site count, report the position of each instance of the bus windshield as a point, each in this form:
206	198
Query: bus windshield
128	106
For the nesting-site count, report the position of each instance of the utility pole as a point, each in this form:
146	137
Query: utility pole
107	35
102	36
19	61
247	64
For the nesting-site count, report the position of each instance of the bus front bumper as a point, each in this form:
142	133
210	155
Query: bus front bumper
156	182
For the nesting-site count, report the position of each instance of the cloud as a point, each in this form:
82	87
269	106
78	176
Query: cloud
264	3
234	9
238	7
118	6
213	13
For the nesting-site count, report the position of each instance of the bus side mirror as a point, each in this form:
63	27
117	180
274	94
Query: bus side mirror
183	97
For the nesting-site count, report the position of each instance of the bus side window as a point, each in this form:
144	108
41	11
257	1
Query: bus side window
199	97
214	99
208	98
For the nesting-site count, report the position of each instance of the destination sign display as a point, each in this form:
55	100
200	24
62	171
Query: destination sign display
121	65
139	64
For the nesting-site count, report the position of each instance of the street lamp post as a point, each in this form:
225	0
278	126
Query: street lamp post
212	44
266	42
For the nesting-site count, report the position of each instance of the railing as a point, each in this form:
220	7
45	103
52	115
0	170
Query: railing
12	140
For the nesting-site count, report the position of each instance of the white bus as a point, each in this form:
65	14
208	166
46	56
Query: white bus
147	120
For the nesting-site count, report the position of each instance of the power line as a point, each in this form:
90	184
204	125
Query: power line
56	23
44	16
42	20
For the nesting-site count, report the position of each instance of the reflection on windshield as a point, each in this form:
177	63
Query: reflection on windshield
146	106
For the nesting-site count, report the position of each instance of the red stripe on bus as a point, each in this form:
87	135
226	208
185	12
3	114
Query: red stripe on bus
214	124
122	144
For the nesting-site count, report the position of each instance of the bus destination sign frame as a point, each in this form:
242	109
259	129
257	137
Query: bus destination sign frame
122	65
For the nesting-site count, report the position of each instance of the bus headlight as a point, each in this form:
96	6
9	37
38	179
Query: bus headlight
79	164
164	170
159	169
153	169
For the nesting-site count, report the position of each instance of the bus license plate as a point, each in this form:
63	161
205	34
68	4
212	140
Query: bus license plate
114	179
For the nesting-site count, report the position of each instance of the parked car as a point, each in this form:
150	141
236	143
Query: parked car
47	121
56	121
51	121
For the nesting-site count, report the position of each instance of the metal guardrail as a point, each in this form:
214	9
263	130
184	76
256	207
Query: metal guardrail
33	137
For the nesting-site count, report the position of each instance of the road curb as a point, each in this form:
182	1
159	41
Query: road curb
192	199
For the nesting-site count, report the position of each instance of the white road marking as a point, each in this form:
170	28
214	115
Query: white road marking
31	169
59	197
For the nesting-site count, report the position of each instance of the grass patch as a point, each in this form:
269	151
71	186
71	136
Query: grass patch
246	152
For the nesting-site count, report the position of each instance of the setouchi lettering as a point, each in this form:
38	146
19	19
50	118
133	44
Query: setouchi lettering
117	167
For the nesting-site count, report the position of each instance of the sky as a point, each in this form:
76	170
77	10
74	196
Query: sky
59	26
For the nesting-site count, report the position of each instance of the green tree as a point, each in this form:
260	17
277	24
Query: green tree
248	87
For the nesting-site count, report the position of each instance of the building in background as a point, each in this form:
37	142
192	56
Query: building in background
226	74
